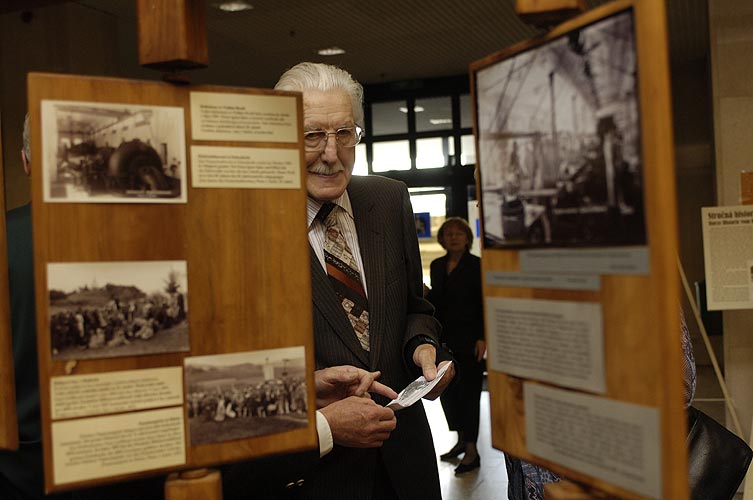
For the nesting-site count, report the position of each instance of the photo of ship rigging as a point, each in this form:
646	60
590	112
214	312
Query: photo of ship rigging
559	146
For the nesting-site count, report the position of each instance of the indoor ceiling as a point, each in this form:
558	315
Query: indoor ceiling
384	40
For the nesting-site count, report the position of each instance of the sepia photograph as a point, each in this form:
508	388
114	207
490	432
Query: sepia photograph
559	141
246	394
112	309
113	153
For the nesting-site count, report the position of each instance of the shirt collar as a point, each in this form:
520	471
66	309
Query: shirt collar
313	206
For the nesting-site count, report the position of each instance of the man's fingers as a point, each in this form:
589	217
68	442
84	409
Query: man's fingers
359	422
387	415
335	375
379	388
442	385
424	357
365	380
343	374
429	370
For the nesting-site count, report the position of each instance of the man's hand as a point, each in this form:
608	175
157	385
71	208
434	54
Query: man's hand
424	356
339	382
359	422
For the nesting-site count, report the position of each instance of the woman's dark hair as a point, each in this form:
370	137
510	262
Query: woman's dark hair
459	222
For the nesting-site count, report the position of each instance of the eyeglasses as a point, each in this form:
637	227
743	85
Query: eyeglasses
347	137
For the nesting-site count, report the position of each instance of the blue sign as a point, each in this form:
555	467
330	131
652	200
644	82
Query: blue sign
423	224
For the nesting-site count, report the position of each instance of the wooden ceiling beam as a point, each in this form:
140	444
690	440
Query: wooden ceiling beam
547	13
172	34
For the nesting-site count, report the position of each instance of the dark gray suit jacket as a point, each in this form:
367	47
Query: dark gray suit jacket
397	313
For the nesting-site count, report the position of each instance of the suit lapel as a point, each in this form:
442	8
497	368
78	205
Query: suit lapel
327	303
371	244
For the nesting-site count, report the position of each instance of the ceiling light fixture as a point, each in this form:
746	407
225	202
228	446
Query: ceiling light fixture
416	109
236	6
331	51
440	121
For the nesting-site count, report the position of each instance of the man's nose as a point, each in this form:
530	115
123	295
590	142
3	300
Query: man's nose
329	154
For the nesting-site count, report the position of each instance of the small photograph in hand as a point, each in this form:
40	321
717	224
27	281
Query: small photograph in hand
416	390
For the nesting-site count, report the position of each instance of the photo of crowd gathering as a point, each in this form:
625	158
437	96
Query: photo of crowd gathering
118	318
241	395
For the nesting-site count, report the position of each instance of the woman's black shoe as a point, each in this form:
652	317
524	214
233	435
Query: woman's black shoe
454	452
463	468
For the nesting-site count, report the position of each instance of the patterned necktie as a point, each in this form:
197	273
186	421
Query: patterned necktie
344	275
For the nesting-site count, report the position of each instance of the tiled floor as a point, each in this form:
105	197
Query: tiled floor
489	482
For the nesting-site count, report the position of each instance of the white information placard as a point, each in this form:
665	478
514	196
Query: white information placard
591	282
114	392
260	168
100	447
614	260
550	340
727	252
243	117
611	440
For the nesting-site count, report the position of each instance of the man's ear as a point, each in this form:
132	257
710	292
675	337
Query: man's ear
25	161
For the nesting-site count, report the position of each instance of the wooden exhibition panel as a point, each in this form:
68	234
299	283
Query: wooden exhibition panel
641	332
8	422
246	252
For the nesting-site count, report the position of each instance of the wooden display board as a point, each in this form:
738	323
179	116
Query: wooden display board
576	176
131	254
8	421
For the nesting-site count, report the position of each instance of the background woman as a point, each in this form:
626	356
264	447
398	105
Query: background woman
456	295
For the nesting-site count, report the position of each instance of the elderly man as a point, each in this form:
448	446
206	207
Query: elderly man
368	312
369	309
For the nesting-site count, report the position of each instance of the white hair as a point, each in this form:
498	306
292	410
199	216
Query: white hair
323	77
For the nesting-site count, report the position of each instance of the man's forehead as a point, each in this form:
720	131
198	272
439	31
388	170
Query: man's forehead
326	120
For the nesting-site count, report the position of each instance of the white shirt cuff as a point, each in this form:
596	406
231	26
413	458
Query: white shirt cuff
325	434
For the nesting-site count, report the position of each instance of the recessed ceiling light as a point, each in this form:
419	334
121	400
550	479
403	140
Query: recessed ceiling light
416	109
236	6
440	121
331	51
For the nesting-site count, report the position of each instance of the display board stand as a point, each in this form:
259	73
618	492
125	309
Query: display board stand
230	210
566	490
617	324
8	421
201	484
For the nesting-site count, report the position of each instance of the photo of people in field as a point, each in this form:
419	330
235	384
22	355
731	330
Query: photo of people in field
109	309
242	395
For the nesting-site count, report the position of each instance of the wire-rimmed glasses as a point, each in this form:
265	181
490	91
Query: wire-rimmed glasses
346	137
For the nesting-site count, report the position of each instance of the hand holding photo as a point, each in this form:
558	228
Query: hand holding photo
416	390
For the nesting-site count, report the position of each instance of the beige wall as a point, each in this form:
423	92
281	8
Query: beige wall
731	31
65	38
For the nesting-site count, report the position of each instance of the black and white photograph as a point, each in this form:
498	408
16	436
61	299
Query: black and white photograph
246	394
112	309
559	141
113	153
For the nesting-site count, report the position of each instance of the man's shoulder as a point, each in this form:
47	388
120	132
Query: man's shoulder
376	189
375	182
